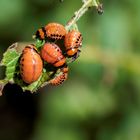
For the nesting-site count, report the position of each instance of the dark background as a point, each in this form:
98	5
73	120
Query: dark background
101	98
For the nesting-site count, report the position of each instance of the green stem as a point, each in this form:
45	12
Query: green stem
81	12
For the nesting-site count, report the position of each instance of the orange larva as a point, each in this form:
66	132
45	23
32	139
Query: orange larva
53	31
61	77
31	64
52	54
72	42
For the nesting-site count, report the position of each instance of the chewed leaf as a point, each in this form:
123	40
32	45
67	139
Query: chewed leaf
12	72
10	60
37	84
9	56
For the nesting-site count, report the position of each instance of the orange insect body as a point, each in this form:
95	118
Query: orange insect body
31	64
61	77
54	31
52	54
73	40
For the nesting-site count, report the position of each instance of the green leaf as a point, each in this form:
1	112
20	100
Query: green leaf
10	60
39	43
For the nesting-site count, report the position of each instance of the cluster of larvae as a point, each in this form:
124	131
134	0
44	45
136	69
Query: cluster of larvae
59	45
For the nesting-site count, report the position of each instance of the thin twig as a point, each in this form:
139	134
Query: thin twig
81	12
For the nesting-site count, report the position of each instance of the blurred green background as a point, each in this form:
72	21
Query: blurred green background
101	98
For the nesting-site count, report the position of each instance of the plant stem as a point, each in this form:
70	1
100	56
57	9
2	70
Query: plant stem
81	12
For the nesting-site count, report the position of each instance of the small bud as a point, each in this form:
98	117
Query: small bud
99	9
61	0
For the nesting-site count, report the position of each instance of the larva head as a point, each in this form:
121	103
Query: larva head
65	69
28	48
40	34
